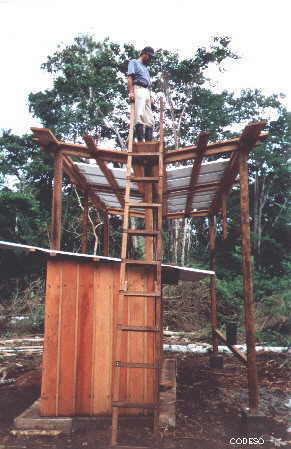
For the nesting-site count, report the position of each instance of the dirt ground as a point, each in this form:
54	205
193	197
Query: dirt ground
208	408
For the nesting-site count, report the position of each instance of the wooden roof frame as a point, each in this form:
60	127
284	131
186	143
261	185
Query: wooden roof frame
237	164
251	137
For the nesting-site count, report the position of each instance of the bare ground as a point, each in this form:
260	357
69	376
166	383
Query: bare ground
209	404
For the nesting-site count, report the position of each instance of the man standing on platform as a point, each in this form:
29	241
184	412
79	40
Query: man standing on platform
139	83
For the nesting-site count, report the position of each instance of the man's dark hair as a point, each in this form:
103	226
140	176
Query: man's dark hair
149	51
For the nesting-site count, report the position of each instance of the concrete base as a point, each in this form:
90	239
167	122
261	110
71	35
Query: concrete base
253	423
216	361
30	419
168	387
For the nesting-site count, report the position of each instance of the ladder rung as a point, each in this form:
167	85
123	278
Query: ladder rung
144	205
134	404
141	262
144	178
135	365
127	293
138	328
144	232
143	154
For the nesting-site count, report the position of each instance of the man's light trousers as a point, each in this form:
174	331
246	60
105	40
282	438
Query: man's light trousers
143	108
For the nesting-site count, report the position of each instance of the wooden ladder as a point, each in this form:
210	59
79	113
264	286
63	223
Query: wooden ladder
149	174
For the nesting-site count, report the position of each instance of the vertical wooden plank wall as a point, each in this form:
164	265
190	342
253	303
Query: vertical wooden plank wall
80	317
49	391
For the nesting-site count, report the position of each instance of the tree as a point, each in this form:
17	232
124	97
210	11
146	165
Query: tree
89	96
89	91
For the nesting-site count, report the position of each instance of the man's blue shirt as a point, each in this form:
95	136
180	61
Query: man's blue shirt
139	72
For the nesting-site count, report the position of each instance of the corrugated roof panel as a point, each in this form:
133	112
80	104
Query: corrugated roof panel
201	205
177	178
204	198
95	176
184	273
177	201
209	172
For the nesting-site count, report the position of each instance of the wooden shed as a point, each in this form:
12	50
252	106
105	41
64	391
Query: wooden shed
80	336
81	302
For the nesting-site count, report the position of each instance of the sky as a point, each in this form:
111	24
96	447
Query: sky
31	30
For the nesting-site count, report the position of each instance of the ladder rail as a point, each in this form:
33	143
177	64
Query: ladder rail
116	372
152	177
158	285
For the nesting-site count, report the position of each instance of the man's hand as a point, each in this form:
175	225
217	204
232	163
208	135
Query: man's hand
131	96
153	102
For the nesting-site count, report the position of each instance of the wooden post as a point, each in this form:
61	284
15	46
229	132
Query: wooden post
212	235
57	202
84	243
105	234
149	241
248	284
224	217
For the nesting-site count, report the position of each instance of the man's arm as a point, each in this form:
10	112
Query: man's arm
130	88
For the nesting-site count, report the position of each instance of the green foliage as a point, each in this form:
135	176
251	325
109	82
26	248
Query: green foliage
89	95
88	89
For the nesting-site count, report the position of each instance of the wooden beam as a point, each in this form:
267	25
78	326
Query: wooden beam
201	148
49	143
224	216
76	176
104	154
119	211
45	138
57	202
181	154
212	238
105	234
240	355
248	140
165	202
177	215
221	143
84	242
228	177
185	154
149	218
105	170
248	284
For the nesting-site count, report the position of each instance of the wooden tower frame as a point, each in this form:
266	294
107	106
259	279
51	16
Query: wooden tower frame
197	190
